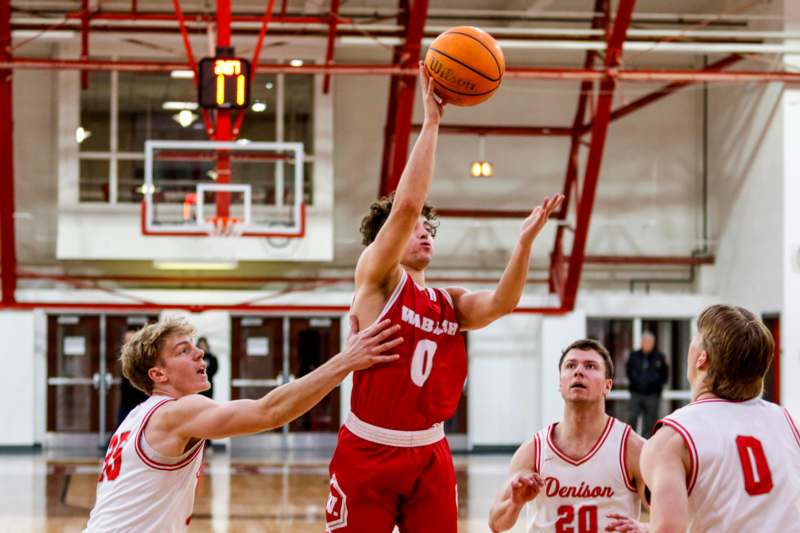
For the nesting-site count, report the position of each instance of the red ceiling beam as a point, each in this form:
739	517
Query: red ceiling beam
84	41
600	122
254	62
334	21
8	247
557	261
481	213
401	98
196	17
507	131
668	89
555	74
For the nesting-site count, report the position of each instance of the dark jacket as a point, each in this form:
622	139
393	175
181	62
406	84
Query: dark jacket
212	365
647	374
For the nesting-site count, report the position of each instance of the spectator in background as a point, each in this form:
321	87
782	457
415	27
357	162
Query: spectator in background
212	365
648	372
129	396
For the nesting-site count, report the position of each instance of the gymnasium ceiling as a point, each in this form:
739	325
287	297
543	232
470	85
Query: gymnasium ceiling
672	14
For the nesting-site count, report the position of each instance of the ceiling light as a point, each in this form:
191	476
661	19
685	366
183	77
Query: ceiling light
296	62
179	106
147	188
185	118
259	107
81	134
182	74
481	168
195	265
212	174
475	169
269	85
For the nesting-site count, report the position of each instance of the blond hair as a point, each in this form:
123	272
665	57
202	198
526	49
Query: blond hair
739	348
143	351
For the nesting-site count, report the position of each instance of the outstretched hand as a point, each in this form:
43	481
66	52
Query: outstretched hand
525	487
433	105
362	350
538	217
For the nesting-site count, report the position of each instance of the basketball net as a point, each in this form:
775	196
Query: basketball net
224	234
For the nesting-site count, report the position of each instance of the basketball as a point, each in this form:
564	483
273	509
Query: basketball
466	65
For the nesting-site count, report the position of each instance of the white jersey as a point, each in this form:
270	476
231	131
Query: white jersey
579	493
745	465
139	489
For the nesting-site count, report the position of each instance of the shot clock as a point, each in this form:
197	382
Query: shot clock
224	83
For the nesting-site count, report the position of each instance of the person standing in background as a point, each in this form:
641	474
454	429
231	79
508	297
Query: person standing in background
648	372
212	365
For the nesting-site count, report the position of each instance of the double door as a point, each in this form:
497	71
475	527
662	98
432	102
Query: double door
84	376
267	352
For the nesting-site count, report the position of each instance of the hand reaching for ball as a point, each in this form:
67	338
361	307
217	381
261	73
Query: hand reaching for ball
434	108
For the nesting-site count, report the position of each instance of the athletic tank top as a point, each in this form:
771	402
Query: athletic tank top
140	490
579	493
745	465
424	386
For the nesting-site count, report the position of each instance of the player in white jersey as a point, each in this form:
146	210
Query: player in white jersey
729	461
153	461
579	475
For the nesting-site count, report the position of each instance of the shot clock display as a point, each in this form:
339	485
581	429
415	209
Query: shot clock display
224	83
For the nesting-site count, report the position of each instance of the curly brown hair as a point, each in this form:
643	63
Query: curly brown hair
379	211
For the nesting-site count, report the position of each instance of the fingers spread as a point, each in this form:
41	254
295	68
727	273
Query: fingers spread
386	333
388	345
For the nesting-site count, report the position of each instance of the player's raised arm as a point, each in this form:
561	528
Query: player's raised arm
665	464
481	308
198	417
379	263
522	486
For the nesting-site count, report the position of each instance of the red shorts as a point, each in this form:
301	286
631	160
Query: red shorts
374	487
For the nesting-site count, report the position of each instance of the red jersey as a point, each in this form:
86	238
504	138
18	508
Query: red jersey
424	386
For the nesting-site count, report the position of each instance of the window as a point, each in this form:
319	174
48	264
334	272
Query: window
672	339
121	110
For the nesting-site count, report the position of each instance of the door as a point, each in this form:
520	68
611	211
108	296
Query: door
312	342
256	356
73	375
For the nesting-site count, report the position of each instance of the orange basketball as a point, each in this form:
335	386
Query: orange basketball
466	65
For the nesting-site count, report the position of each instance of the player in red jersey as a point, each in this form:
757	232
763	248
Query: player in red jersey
392	465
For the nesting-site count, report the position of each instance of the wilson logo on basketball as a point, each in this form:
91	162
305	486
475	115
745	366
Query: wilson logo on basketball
553	488
446	74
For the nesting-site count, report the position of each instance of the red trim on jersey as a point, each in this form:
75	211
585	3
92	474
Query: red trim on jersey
792	425
537	453
589	454
694	458
152	463
623	458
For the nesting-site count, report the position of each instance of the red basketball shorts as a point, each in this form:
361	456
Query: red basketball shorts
375	486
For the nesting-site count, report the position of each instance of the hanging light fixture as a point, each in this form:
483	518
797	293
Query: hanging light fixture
482	168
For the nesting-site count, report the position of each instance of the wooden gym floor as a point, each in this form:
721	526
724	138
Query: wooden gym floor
269	493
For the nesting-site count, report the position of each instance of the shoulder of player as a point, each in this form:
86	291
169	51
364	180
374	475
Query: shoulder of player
667	441
525	456
369	278
173	413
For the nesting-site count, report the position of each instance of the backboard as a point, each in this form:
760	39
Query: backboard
197	188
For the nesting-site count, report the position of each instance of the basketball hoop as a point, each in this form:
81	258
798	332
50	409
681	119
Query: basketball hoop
224	227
